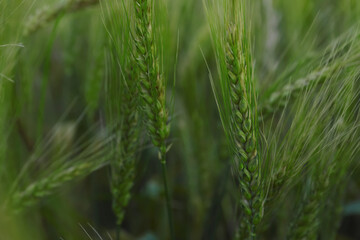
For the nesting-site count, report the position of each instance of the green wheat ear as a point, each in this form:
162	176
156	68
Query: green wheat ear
306	223
122	100
152	86
47	186
152	81
237	106
243	132
94	155
123	166
342	52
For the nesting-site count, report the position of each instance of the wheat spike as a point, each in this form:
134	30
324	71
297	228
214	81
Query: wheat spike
46	186
152	88
151	79
244	136
306	223
123	166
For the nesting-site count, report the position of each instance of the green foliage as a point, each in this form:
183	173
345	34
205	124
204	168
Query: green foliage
262	96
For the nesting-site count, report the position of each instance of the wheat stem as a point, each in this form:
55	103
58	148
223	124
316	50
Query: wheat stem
167	196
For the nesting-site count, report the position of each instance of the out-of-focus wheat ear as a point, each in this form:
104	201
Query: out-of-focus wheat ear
123	167
306	224
121	184
122	101
48	14
278	99
333	212
45	187
342	52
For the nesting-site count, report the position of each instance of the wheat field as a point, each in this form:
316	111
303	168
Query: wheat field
161	119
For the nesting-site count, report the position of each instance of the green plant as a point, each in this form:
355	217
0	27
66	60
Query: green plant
237	106
122	99
264	119
341	53
153	85
63	169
